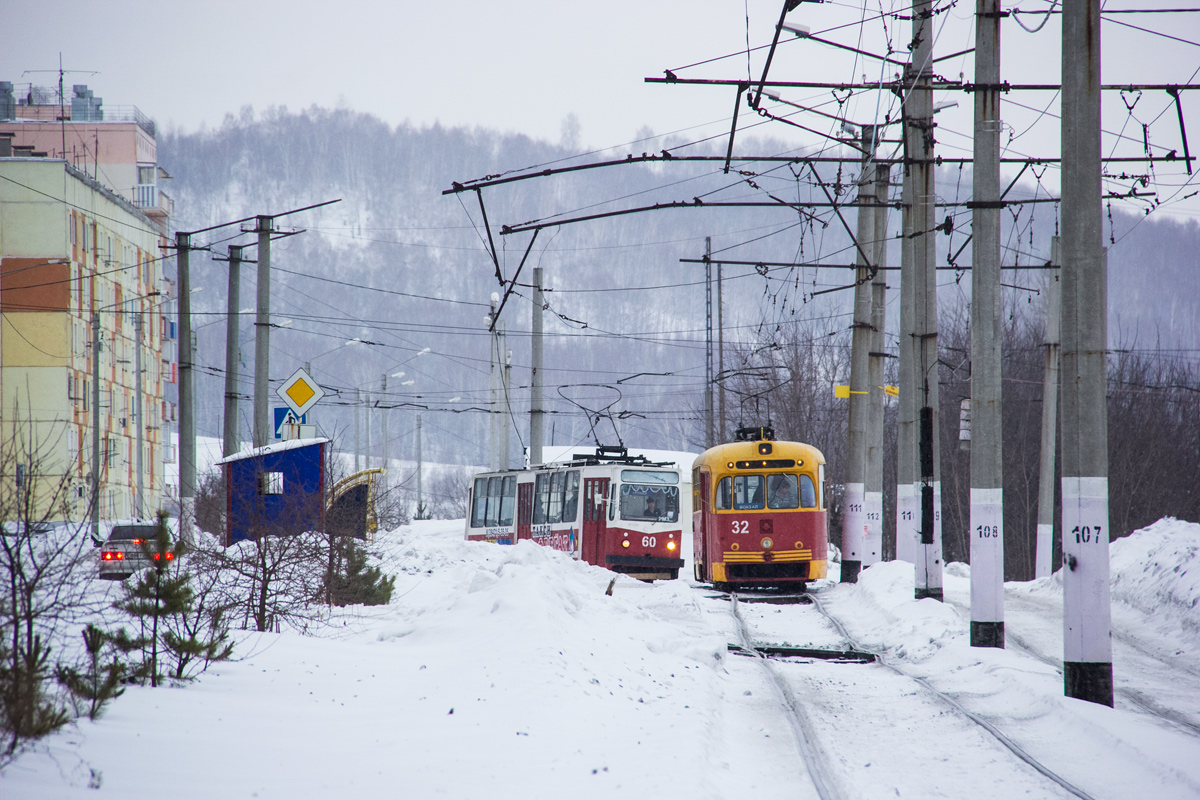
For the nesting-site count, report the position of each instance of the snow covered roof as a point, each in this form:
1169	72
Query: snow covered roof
290	444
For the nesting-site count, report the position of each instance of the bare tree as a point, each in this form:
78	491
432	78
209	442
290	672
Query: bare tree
44	571
446	495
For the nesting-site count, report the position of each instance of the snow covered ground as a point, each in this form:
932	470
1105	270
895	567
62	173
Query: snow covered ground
507	672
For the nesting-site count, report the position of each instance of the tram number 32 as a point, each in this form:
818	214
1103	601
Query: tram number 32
649	541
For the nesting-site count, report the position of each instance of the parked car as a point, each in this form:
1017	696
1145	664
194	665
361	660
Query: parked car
127	550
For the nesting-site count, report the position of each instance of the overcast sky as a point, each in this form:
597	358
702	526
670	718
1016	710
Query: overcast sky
526	65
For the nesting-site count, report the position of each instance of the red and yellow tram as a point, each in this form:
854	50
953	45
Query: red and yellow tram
609	509
759	513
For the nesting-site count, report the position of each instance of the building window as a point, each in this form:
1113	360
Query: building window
270	483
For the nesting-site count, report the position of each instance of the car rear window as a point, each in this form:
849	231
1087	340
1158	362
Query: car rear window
124	533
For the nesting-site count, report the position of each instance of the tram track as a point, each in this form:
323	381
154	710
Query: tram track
816	761
1134	697
995	732
816	747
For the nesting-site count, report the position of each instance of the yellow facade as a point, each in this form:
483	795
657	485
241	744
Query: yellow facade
72	251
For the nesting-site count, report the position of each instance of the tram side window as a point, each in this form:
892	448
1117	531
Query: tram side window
571	497
541	498
557	480
508	499
479	500
808	492
724	499
748	492
556	497
495	484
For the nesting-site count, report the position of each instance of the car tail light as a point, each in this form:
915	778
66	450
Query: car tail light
138	541
111	556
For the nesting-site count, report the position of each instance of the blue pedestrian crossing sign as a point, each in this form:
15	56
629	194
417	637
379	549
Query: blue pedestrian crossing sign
285	416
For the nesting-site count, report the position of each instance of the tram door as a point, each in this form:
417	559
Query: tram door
524	510
594	524
700	537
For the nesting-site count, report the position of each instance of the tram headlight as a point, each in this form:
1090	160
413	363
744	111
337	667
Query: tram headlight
624	543
766	543
670	545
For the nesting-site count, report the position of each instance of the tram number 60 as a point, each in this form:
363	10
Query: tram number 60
1086	534
648	541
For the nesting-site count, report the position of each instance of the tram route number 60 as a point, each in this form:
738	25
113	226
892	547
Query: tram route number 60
649	541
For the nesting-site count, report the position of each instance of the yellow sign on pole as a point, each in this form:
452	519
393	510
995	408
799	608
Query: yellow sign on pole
843	392
300	392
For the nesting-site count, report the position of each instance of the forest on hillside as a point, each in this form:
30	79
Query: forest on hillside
396	278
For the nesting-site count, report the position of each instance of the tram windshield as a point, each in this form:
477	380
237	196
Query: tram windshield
649	496
755	492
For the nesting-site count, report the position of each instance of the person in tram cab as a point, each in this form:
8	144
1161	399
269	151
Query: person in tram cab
783	492
652	510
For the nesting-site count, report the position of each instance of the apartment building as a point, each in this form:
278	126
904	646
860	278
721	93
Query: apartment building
83	230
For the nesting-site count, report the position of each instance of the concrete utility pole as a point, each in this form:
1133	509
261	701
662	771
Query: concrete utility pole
1087	623
139	505
506	420
536	420
367	423
187	418
420	465
262	333
383	427
987	463
908	512
919	146
1044	558
494	405
96	472
357	438
721	432
229	445
709	432
873	545
855	517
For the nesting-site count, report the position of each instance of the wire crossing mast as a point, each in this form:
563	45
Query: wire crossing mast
919	158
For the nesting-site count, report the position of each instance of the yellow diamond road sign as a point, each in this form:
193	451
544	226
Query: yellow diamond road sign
300	392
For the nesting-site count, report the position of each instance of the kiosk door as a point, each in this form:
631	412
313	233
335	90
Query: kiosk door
594	522
524	510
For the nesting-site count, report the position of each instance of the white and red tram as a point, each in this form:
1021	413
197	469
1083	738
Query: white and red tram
607	508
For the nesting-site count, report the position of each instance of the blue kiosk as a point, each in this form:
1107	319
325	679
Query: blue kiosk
276	490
